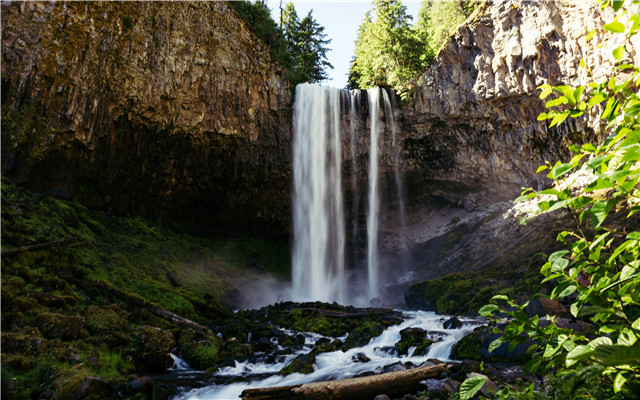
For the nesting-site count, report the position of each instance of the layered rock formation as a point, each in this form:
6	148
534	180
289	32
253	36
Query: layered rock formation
472	118
171	109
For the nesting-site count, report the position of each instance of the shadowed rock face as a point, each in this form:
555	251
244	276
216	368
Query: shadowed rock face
171	109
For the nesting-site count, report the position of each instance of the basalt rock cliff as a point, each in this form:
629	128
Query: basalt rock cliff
472	117
169	109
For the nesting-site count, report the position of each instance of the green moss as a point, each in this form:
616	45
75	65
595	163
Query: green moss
467	348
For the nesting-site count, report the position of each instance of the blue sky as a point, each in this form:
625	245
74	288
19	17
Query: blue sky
341	20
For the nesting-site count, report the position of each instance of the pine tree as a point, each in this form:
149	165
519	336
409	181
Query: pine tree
388	52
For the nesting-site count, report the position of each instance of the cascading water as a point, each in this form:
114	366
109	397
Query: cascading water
374	198
318	257
318	220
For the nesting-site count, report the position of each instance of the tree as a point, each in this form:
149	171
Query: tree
300	46
308	42
388	50
437	20
598	271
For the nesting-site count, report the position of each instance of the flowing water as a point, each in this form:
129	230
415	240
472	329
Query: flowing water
340	364
319	264
318	218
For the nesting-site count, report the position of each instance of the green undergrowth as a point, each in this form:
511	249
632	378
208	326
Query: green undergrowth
83	307
464	294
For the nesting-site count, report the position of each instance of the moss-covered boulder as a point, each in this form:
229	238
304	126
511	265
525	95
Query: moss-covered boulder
66	327
202	349
326	345
100	320
150	347
363	334
86	388
413	337
302	364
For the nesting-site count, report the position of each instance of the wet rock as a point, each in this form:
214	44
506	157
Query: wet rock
303	364
390	350
450	386
326	345
423	348
413	337
142	384
381	397
433	385
452	323
395	367
150	347
53	325
360	357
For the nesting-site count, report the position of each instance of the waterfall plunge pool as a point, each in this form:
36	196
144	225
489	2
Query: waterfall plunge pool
378	356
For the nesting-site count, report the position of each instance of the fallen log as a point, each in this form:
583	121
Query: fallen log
34	247
393	384
138	301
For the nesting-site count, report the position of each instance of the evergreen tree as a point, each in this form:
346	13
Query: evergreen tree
437	20
388	52
301	46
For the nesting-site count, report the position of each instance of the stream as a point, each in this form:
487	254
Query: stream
378	356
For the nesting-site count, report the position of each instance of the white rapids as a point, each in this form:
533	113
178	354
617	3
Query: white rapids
343	364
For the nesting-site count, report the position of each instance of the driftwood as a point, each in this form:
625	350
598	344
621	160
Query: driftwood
393	384
34	247
138	301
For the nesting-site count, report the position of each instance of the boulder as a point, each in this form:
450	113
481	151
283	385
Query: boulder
54	325
150	347
452	323
79	387
302	364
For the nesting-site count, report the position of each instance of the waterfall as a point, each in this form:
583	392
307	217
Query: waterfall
319	268
318	220
374	195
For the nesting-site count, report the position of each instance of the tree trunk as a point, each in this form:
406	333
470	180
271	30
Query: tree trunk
393	384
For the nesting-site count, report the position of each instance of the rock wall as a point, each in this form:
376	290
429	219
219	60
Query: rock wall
171	109
472	117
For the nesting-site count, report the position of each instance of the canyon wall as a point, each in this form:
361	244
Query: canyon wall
472	117
170	109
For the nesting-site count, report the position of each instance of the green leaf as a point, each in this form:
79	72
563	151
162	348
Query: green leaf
500	297
636	324
620	380
542	116
615	26
617	4
567	291
559	169
596	99
546	90
618	53
612	355
488	309
554	345
557	101
542	168
577	354
471	386
494	345
582	63
600	210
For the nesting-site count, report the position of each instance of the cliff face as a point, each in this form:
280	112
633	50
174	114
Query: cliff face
472	119
172	109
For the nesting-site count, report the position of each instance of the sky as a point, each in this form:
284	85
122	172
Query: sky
341	20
